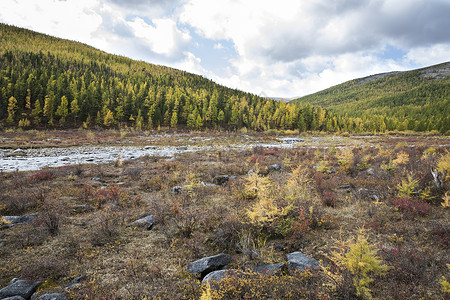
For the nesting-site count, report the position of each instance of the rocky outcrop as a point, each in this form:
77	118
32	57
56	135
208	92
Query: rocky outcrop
21	288
209	264
10	221
299	261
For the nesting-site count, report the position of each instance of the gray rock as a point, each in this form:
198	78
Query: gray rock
146	222
278	247
207	184
274	167
2	244
19	151
270	269
208	264
74	286
250	172
14	298
299	261
97	179
331	171
345	186
289	140
177	189
18	220
220	180
22	288
215	277
54	296
79	279
81	208
182	148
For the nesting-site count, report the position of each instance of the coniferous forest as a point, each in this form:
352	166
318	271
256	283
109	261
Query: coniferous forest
47	82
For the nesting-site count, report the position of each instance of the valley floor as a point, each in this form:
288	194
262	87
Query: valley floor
254	196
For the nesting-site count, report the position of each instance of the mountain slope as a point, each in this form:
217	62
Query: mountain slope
50	82
415	100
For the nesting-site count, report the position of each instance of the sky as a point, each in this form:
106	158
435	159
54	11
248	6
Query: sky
284	48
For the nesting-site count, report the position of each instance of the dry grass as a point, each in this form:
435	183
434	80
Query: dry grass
124	262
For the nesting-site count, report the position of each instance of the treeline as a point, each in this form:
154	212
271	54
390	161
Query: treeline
47	82
403	101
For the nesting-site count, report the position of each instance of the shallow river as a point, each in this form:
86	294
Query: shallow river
36	159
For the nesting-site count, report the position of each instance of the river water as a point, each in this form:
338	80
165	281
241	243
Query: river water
36	159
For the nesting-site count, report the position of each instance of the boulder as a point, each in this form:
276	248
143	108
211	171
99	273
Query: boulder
299	261
14	298
207	184
22	288
215	277
80	208
270	269
11	221
177	189
146	222
274	167
345	186
54	296
221	180
19	152
208	264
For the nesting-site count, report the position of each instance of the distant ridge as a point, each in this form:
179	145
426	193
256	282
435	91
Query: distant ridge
413	100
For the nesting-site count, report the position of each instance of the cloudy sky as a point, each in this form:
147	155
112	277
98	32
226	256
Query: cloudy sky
283	48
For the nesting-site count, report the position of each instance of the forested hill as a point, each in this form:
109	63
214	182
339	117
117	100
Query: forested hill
415	100
50	82
47	82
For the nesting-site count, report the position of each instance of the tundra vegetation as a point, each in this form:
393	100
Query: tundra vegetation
375	214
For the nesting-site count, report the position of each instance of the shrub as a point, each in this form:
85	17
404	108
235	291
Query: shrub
51	214
107	227
446	202
345	157
406	265
407	187
361	259
45	268
441	234
411	208
102	196
42	176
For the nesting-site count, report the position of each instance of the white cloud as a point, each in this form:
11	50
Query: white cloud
285	48
163	38
425	56
53	17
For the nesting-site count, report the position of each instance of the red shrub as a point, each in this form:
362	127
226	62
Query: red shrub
42	176
411	208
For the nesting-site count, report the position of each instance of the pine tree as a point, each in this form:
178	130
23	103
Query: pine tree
63	110
48	109
109	118
12	108
74	109
36	112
